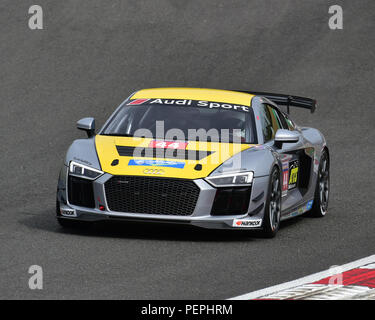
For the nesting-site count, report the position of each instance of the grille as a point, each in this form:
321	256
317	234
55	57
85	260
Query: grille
151	195
126	151
80	192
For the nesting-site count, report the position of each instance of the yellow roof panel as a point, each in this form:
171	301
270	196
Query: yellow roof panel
215	95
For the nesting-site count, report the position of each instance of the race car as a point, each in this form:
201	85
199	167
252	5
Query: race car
218	159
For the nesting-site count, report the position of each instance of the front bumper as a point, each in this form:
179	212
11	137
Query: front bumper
201	216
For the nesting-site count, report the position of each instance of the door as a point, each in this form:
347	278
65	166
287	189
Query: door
292	156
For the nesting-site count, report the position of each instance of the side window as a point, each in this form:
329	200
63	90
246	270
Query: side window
291	124
283	121
270	122
276	125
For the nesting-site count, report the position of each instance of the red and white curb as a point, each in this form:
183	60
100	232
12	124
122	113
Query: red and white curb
352	281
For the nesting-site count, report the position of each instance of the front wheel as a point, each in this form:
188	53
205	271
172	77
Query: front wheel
321	197
272	212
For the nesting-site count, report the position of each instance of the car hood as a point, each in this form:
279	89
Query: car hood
118	156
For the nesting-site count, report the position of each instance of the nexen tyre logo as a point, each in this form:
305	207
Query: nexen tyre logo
247	223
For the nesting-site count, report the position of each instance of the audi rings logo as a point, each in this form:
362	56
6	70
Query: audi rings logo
153	171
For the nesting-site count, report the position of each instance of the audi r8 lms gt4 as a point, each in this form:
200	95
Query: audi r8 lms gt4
210	158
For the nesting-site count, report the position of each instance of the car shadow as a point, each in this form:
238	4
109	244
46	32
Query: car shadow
46	221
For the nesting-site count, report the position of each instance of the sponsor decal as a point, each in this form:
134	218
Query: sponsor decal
156	163
192	103
302	209
68	212
247	223
168	144
222	105
137	102
309	205
285	178
293	174
285	169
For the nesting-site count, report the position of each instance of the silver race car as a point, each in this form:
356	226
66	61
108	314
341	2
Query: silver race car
210	158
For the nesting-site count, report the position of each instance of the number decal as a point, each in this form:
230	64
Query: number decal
168	144
161	144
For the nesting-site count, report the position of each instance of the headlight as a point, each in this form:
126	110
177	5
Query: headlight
232	179
80	170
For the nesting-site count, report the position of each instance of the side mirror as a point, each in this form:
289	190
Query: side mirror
88	125
285	136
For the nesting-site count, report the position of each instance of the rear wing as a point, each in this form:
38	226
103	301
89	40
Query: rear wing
288	100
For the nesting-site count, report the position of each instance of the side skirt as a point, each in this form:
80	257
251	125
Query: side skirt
297	211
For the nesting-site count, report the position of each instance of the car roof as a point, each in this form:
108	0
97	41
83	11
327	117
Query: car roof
215	95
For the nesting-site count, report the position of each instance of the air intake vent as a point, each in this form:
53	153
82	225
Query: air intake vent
231	201
81	192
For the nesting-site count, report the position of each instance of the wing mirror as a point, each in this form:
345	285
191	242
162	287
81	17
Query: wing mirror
285	136
88	125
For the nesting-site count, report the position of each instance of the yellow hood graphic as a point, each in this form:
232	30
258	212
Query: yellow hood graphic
122	156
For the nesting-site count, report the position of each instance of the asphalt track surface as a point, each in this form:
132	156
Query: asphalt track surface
92	54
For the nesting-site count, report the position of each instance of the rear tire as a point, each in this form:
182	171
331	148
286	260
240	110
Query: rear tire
321	197
272	211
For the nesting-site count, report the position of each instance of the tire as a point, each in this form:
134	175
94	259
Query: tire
272	212
321	197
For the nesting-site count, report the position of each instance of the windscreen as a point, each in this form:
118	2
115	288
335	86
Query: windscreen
184	120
